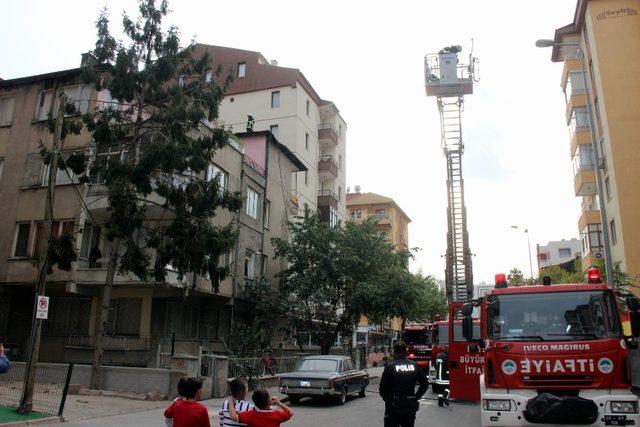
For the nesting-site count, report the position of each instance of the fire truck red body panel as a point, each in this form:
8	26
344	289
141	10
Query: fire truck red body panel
589	361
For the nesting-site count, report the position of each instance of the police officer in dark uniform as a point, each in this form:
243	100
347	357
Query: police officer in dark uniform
398	389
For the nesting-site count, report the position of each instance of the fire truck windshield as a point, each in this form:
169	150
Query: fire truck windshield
557	316
416	337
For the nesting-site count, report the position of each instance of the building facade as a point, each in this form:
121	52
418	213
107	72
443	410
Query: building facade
393	223
558	252
144	315
608	31
283	101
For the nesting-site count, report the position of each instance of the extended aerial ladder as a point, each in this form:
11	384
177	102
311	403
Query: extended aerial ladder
448	81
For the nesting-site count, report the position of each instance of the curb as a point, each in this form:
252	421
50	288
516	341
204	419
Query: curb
41	421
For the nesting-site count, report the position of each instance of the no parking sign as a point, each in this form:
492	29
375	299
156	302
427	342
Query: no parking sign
42	311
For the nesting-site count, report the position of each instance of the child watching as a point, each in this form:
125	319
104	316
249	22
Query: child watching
169	421
238	389
263	416
188	412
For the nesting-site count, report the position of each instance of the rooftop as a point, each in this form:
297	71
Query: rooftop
358	199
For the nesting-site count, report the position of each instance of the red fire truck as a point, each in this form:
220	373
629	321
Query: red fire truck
554	355
418	340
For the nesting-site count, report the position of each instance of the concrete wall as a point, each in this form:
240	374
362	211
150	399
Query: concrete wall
123	379
552	250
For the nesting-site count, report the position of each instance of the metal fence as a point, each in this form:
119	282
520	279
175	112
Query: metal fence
283	365
50	390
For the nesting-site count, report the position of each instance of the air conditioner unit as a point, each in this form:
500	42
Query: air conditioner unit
598	255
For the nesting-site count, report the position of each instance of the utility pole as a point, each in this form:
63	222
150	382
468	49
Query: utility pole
26	403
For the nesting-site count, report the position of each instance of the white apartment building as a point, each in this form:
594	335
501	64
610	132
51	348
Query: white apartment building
558	252
281	100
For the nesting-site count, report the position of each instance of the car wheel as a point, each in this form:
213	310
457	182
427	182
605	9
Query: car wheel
363	390
294	399
342	399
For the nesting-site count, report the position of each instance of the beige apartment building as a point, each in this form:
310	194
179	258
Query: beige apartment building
283	101
608	31
144	314
393	223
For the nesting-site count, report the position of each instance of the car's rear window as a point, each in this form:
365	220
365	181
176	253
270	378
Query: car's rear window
317	365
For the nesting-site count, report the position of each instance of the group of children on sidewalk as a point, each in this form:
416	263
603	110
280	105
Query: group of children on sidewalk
185	411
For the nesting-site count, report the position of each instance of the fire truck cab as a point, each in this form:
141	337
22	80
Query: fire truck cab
554	355
417	337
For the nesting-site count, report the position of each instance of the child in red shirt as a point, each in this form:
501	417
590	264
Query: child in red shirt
263	415
188	412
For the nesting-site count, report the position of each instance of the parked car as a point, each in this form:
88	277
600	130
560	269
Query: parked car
324	376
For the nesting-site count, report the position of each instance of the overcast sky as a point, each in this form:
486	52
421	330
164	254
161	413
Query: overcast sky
367	57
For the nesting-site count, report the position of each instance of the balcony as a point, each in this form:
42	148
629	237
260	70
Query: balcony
580	136
95	273
585	182
327	135
327	167
570	64
577	99
327	198
588	217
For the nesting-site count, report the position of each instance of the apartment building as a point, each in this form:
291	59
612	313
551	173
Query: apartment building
283	101
558	252
608	31
393	223
144	314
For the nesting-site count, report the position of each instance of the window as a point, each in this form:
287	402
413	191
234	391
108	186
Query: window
78	95
333	216
242	69
591	239
181	79
63	176
21	243
543	257
68	316
44	103
574	84
6	110
579	120
214	171
90	240
356	213
340	129
274	130
275	99
58	228
308	107
208	76
564	252
583	159
124	317
306	177
339	194
249	264
263	266
607	187
265	216
1	164
306	141
614	235
253	199
339	161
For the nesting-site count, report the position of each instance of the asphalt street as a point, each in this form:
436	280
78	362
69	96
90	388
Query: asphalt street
357	412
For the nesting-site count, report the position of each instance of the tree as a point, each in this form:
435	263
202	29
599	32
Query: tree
337	274
161	125
431	300
562	275
516	277
259	317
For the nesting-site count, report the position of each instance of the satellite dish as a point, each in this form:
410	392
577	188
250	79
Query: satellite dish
357	188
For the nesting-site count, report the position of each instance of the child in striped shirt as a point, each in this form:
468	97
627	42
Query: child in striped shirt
239	391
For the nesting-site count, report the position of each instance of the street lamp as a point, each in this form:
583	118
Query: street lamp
526	231
604	224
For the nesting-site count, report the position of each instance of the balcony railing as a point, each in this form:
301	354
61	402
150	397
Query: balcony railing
379	216
327	165
327	193
253	165
111	342
327	133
